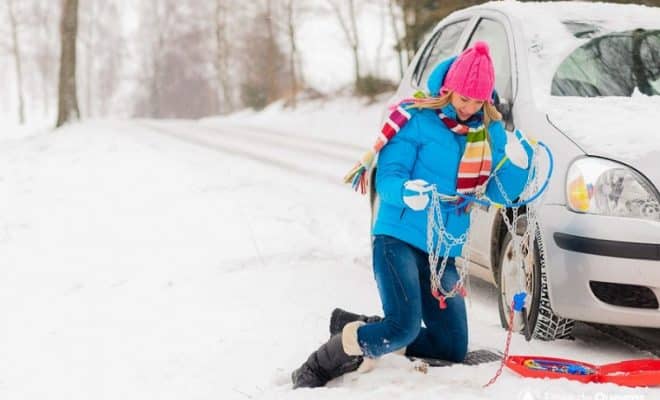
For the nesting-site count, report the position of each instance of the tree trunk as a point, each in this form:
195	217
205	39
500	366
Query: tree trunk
89	62
67	97
351	33
155	78
356	42
397	37
163	15
47	70
271	72
17	58
87	110
356	64
46	57
293	52
223	54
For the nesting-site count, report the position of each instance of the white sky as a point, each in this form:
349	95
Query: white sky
327	58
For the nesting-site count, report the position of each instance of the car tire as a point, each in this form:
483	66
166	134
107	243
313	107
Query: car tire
543	323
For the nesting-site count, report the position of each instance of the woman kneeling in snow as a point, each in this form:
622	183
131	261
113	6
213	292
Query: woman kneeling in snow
448	142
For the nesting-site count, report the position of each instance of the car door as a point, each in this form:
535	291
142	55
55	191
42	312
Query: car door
445	41
494	30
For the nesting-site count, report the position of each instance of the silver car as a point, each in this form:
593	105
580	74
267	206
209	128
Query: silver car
583	78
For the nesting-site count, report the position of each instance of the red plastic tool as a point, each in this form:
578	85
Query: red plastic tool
643	372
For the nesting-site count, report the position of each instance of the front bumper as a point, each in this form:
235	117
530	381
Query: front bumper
583	251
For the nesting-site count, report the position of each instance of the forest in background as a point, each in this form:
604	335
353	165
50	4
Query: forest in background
71	59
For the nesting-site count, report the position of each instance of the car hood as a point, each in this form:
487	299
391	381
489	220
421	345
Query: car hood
626	129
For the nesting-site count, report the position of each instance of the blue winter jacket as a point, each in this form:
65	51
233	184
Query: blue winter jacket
426	149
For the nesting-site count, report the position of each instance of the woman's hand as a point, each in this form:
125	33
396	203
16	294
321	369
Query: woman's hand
518	149
416	194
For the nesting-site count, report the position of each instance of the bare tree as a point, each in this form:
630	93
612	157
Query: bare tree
271	52
45	15
376	69
177	60
16	51
102	51
88	37
264	66
156	33
394	20
223	53
348	24
163	22
291	10
420	16
67	96
111	57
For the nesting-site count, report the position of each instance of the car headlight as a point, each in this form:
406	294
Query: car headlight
599	186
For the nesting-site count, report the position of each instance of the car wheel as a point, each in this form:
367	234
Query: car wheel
541	323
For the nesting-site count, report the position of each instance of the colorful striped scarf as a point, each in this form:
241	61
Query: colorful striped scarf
473	170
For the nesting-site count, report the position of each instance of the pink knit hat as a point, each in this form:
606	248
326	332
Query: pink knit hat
472	74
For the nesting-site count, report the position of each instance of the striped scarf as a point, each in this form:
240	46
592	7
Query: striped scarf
473	170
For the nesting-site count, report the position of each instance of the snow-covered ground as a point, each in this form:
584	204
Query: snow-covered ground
201	260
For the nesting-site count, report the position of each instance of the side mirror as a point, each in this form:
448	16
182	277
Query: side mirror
506	109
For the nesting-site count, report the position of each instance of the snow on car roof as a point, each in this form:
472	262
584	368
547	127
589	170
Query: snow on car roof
552	30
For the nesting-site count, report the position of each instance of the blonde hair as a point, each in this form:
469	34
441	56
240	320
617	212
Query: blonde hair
490	112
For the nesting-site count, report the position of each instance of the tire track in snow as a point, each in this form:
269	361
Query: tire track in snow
343	146
317	146
284	154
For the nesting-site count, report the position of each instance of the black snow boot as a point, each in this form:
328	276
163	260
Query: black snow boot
330	360
339	318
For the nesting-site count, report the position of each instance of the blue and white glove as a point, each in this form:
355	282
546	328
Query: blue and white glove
518	149
416	194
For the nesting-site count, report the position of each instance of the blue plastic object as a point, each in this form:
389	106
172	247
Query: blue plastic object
519	301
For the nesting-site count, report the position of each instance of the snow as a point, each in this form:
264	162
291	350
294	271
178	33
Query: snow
618	126
347	119
9	131
201	259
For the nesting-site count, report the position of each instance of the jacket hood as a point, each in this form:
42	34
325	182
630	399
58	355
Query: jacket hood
437	76
623	129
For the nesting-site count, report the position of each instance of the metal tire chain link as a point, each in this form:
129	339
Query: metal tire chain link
529	235
436	227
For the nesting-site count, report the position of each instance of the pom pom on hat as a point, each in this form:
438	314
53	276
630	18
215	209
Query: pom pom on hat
472	73
482	48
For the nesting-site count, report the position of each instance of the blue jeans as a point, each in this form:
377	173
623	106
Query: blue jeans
403	278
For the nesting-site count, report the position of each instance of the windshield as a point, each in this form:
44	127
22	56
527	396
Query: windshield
616	64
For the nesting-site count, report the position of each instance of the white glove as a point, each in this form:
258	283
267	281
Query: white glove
416	194
518	149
